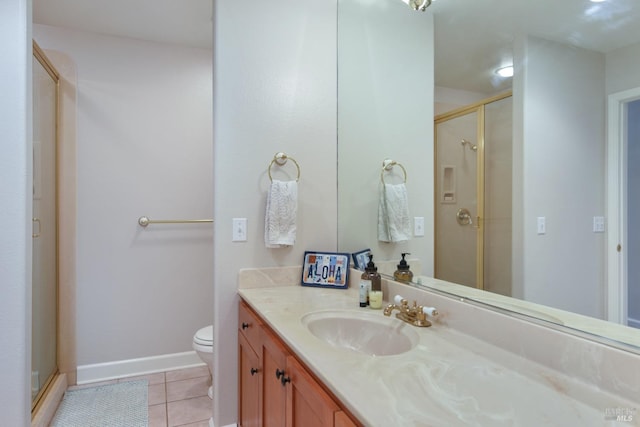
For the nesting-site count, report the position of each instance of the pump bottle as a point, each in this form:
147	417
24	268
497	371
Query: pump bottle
403	274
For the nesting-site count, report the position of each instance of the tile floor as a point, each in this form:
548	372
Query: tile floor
176	398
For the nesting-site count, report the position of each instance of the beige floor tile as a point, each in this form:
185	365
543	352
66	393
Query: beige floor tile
156	378
186	389
157	394
158	415
189	411
188	373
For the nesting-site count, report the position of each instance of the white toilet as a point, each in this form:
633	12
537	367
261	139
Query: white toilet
203	345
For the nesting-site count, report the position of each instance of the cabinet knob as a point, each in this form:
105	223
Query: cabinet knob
284	380
279	373
245	325
253	371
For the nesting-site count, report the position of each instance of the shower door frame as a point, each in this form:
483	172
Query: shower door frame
479	109
47	65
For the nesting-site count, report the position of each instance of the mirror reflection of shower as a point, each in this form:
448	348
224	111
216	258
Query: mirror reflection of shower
473	147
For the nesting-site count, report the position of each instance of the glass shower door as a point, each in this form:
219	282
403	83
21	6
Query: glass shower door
457	204
45	234
473	212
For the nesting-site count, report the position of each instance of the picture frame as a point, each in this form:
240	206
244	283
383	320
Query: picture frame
361	259
325	269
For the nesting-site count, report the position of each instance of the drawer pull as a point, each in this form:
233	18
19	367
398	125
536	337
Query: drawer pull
245	325
284	380
253	371
279	373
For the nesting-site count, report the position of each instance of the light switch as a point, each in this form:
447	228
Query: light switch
239	230
542	225
418	226
598	224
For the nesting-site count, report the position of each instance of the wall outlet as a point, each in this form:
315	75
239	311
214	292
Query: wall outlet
542	225
239	233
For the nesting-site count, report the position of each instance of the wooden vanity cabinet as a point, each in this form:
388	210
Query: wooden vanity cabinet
287	394
274	390
250	377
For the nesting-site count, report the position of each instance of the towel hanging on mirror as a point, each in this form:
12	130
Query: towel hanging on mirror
393	213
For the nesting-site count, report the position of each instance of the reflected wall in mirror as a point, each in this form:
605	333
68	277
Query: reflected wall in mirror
398	69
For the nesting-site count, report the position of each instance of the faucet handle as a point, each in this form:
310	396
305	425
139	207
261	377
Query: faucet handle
430	311
399	300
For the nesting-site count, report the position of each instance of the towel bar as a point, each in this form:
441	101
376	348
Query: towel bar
143	221
281	159
387	165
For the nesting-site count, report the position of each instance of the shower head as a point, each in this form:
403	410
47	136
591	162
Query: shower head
472	146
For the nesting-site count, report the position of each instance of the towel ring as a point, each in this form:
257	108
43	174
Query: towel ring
281	159
387	165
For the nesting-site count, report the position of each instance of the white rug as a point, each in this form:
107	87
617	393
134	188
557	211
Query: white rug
114	405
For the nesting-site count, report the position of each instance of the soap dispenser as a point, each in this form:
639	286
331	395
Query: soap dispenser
403	274
371	275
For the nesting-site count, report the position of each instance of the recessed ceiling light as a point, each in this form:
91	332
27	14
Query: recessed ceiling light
505	71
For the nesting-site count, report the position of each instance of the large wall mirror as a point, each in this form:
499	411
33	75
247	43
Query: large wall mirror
550	200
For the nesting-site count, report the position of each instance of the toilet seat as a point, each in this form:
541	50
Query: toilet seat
204	336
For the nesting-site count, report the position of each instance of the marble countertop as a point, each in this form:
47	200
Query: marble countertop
449	378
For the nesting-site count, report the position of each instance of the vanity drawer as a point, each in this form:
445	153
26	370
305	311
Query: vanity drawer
249	325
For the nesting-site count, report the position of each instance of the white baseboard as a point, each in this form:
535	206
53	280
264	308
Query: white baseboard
634	323
134	367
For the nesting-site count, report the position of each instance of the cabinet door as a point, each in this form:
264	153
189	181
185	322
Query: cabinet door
308	405
249	325
250	382
342	420
274	392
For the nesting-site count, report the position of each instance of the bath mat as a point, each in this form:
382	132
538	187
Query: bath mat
113	405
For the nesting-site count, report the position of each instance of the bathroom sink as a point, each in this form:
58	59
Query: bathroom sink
367	333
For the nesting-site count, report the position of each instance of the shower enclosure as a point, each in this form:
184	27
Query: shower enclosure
44	332
473	195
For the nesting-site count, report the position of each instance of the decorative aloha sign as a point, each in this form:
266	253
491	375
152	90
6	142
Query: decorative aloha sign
325	269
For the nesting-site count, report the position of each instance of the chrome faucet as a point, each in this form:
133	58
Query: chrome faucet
416	315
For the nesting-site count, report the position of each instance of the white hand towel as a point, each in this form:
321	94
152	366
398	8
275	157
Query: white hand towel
280	217
393	214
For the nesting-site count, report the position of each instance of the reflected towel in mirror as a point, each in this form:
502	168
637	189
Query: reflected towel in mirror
393	214
280	217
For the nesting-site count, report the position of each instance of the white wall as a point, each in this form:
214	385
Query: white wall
385	111
15	230
144	148
623	69
275	90
563	175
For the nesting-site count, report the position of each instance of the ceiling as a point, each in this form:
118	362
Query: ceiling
183	22
473	37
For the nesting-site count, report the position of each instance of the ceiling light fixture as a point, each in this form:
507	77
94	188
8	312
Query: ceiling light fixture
420	5
505	71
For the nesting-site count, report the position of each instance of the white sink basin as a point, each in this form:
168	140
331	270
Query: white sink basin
367	333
